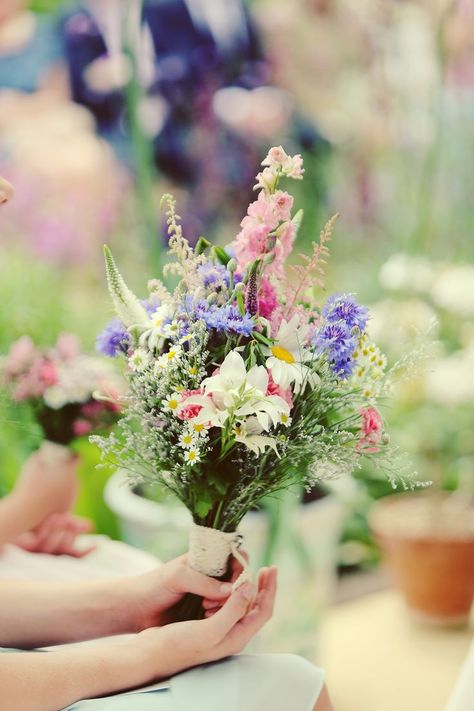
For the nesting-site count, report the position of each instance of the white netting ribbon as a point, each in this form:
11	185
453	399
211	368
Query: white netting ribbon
209	551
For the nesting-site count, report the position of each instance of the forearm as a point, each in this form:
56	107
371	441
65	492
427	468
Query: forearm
17	516
40	614
49	681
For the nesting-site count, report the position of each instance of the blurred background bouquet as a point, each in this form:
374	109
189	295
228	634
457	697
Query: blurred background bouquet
70	394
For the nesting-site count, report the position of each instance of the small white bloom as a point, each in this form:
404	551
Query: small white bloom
171	358
171	403
139	359
285	419
191	456
187	439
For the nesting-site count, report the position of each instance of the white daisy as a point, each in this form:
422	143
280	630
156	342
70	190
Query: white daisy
187	439
139	359
286	358
170	358
171	403
285	419
191	456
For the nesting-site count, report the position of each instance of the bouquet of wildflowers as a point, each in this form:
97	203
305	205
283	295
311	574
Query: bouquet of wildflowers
241	383
72	394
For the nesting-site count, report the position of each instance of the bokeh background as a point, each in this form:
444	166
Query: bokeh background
100	114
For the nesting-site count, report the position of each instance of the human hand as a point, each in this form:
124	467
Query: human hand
56	535
46	485
150	596
6	191
170	649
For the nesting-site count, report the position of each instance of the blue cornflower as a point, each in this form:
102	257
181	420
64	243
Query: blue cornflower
114	339
344	307
338	342
227	319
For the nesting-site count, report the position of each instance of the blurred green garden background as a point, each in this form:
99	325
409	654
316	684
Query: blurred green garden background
389	88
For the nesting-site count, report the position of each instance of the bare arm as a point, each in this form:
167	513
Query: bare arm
49	681
39	614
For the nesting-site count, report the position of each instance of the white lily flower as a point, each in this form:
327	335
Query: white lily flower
249	432
234	392
287	357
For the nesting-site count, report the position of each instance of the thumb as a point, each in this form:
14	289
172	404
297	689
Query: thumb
229	614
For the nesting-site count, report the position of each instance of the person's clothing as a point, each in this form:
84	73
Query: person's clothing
24	68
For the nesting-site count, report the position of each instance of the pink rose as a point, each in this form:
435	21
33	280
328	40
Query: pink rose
284	393
371	430
189	412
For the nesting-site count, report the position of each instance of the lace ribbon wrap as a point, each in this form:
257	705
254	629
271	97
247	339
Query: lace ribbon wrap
209	551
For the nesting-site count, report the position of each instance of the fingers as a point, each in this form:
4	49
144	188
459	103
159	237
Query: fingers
6	191
262	609
190	581
229	614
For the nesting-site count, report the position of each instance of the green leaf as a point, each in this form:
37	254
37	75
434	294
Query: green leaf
222	255
240	302
263	339
201	245
203	507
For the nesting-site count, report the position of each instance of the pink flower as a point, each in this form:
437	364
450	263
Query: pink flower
21	356
282	202
274	389
47	373
267	298
81	427
371	430
295	168
262	210
190	411
67	346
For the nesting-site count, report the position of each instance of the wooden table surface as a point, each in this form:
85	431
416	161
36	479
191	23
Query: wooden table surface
379	659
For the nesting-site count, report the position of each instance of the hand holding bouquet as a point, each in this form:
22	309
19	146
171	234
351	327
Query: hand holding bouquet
241	383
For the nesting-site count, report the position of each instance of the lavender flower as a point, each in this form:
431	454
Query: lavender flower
114	339
344	307
338	342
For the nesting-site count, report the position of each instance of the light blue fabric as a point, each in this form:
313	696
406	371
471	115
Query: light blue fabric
247	682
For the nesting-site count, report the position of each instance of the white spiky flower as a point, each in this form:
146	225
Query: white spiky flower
127	306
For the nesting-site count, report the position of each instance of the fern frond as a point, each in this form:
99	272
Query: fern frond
313	269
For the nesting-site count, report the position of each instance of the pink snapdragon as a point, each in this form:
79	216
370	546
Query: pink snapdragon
371	430
284	393
282	205
189	412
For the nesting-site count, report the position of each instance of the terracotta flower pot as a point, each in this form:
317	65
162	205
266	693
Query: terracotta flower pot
428	540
